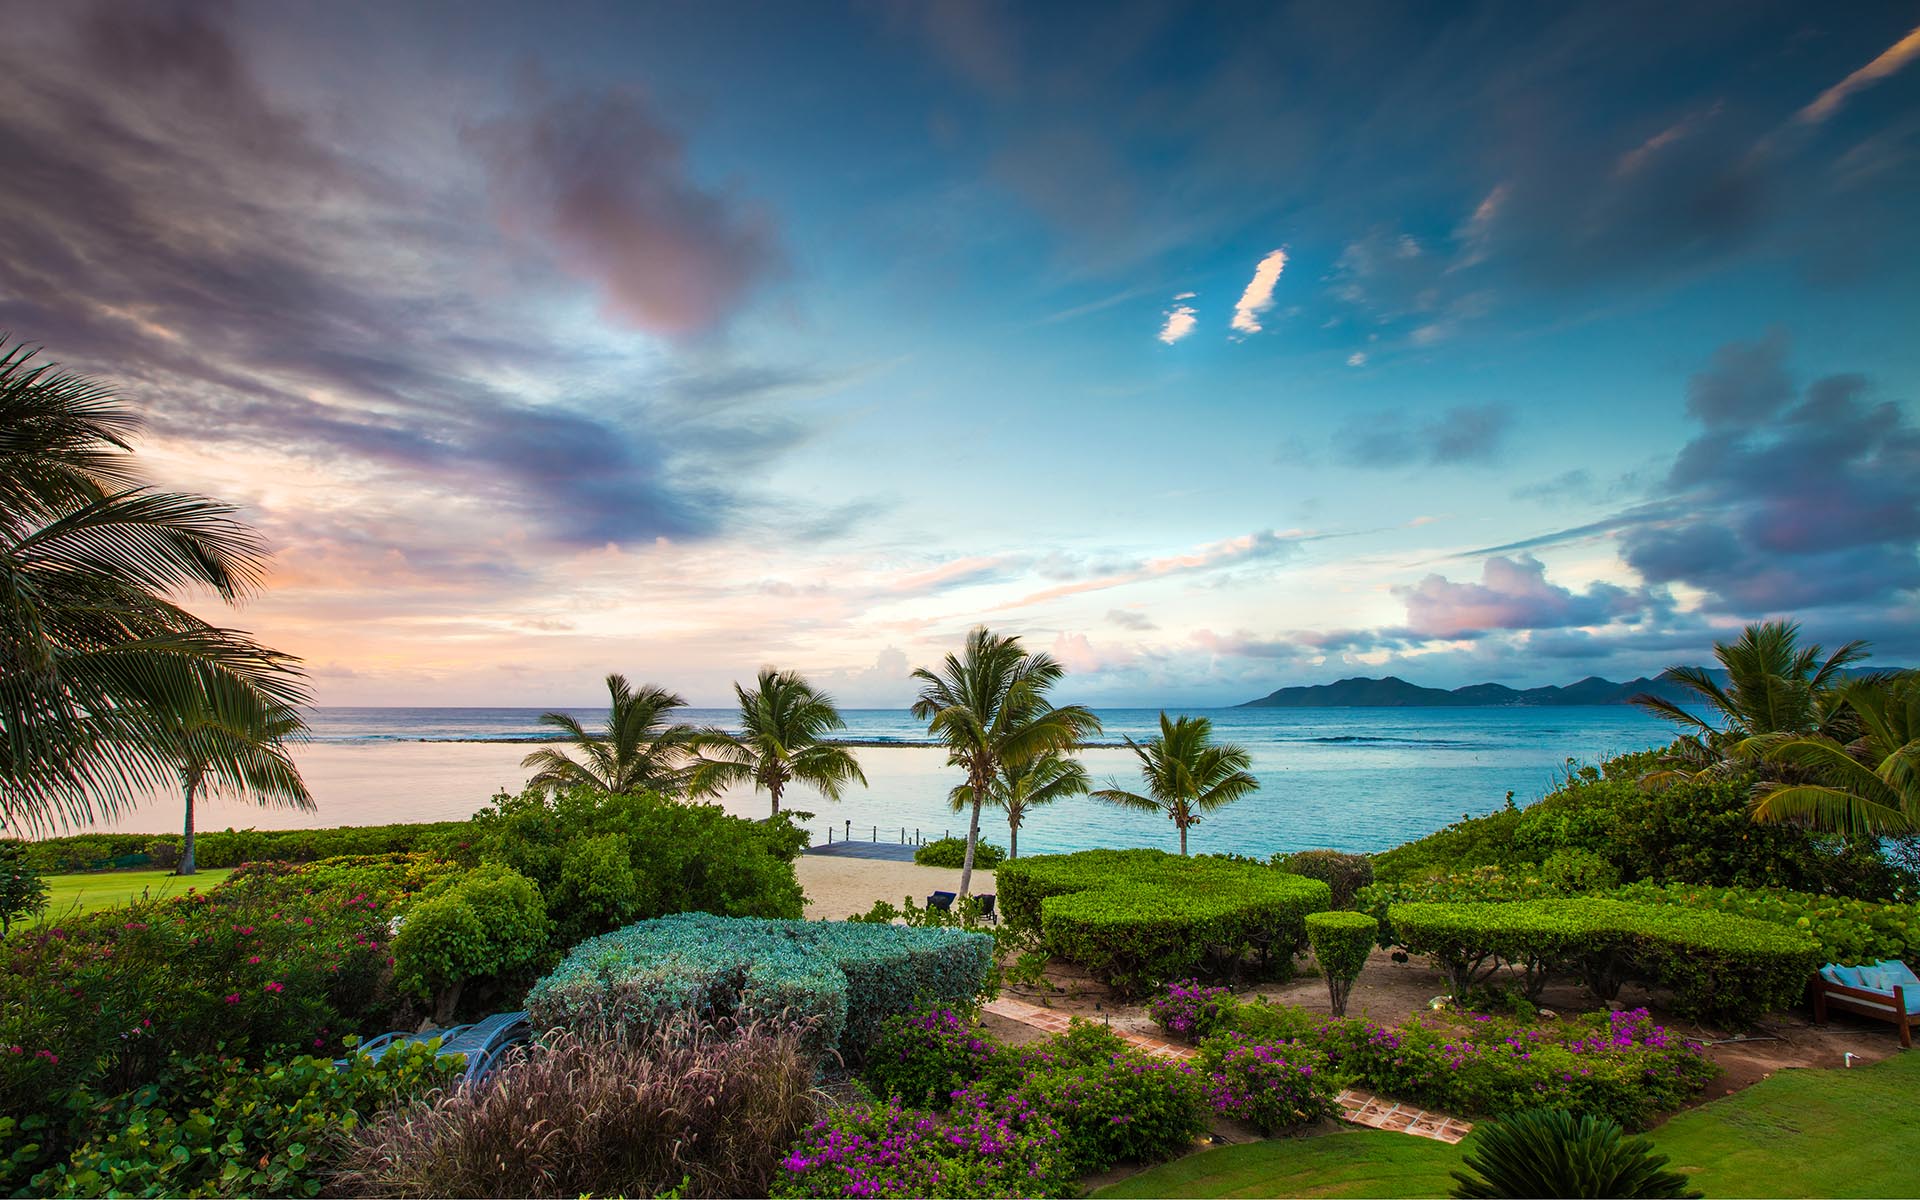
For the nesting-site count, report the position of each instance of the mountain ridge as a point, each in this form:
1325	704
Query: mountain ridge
1392	691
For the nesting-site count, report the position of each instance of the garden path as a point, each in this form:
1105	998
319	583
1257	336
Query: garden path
1356	1106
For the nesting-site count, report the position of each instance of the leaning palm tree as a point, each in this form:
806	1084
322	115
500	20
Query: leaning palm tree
1775	686
1869	786
639	750
100	668
989	708
1187	775
1019	789
233	742
781	723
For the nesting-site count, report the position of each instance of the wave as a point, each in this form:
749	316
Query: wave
1350	738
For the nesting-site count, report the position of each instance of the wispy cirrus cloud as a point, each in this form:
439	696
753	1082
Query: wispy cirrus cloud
1258	296
1886	63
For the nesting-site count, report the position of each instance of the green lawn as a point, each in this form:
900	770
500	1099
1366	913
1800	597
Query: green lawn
1800	1133
103	889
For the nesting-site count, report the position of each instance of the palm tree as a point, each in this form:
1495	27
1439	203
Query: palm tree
1869	786
639	751
100	670
990	709
1018	790
781	723
1774	686
234	741
1187	775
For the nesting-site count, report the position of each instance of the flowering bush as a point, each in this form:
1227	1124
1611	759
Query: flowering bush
1191	1008
1270	1087
981	1147
924	1058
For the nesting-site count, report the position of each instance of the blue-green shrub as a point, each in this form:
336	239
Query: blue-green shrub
1139	918
843	979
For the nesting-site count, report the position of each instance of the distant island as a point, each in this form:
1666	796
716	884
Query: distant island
1394	692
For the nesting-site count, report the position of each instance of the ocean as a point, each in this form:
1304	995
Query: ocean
1353	779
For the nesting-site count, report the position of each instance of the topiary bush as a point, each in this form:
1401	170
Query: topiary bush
1341	942
840	979
1550	1152
952	852
1344	873
1138	918
1848	932
1720	967
488	923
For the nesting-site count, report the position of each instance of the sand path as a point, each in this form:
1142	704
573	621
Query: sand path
844	887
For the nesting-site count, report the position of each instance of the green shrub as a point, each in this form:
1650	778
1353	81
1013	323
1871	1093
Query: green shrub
1116	1105
22	893
1548	1152
841	979
952	852
682	857
1573	870
214	1126
488	923
1467	843
1849	932
982	1148
1344	873
1720	967
1138	918
921	1059
230	848
1341	942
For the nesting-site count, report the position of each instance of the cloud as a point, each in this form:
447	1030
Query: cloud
1258	296
1464	434
604	184
1357	359
1180	323
1889	61
1128	619
1513	593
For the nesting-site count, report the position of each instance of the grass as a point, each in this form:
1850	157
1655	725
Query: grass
1798	1133
94	890
1361	1162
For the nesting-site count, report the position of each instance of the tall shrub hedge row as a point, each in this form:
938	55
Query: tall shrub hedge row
843	979
231	847
1136	919
1720	967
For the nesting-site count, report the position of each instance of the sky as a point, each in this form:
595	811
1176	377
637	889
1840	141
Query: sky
1209	348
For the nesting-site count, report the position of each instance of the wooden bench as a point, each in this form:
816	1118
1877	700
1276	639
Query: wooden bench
1830	994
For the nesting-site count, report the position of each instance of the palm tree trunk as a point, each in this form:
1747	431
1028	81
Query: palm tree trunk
773	789
1183	839
1013	837
973	837
186	844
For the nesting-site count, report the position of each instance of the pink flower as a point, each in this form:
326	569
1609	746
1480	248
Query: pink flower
233	997
254	961
274	986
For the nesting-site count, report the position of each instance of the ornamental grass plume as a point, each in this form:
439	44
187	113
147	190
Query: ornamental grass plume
700	1112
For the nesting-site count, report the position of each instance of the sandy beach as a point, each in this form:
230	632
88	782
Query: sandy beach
843	887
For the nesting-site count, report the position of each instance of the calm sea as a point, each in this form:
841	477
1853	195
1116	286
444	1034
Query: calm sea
1352	779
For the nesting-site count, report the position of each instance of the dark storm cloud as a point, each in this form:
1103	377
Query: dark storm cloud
167	224
1464	434
604	183
1787	499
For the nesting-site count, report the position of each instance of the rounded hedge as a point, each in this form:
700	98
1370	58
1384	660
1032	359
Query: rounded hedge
952	852
1720	967
488	921
1136	919
842	979
1341	942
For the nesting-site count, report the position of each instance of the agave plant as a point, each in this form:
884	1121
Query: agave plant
103	676
1550	1152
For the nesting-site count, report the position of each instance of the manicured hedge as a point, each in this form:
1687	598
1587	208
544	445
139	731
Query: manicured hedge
1720	967
1136	919
1849	932
844	978
230	848
1341	943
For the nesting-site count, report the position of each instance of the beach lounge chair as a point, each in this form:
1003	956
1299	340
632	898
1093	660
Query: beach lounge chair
1885	991
986	908
942	901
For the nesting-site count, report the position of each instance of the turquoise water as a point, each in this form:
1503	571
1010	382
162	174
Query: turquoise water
1352	779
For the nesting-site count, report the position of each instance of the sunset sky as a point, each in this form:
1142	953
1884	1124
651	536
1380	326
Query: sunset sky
1211	347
